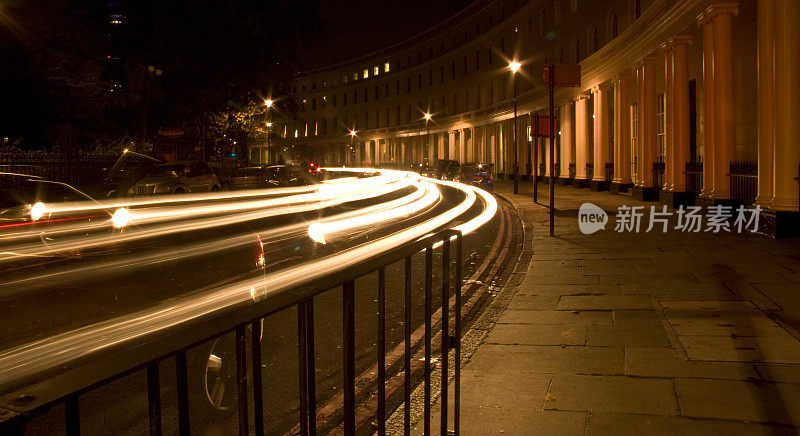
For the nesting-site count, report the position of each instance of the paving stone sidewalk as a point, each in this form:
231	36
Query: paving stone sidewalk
638	333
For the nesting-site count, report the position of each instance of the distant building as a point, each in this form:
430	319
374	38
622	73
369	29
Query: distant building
677	98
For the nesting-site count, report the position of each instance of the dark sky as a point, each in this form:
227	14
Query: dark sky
352	28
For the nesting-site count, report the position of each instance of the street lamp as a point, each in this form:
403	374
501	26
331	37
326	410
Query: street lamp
514	67
427	140
352	150
268	103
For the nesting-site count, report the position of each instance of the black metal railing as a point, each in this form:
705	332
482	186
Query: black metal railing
572	171
609	171
149	353
556	169
589	171
744	181
694	176
659	168
542	169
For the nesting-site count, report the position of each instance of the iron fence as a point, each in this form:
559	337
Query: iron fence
589	171
744	181
609	171
694	176
173	343
572	171
659	168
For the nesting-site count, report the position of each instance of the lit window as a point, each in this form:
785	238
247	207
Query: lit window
376	71
355	76
366	73
386	67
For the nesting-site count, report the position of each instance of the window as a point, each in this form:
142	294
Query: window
660	123
386	67
375	92
366	94
386	89
355	96
397	87
398	122
366	73
441	73
386	119
344	99
477	60
465	65
408	84
453	70
344	78
355	77
313	86
313	104
557	11
376	71
334	100
613	25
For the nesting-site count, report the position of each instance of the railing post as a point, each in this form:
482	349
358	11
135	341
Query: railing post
73	416
407	348
241	380
457	381
302	367
427	369
381	412
154	399
258	395
445	327
183	392
349	357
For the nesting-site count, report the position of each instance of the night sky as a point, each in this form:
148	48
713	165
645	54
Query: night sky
352	28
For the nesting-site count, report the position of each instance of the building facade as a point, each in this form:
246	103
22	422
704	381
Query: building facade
681	101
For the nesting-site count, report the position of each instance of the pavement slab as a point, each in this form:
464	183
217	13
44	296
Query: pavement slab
528	334
605	302
656	425
740	400
632	328
539	359
619	394
558	317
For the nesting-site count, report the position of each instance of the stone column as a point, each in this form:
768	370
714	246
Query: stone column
724	129
451	145
766	100
582	137
647	121
708	105
566	138
787	114
669	101
681	124
600	136
622	133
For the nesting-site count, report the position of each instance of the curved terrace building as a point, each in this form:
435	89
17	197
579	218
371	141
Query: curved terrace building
680	101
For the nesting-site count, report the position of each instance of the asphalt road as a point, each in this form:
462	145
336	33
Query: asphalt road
67	301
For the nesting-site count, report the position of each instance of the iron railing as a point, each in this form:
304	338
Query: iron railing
659	168
572	170
589	171
148	353
609	171
744	181
694	176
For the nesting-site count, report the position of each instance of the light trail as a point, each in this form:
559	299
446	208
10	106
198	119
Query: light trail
61	350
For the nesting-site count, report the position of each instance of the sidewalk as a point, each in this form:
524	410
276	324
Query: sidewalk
638	333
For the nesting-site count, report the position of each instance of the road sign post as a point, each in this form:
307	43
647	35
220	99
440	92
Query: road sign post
557	75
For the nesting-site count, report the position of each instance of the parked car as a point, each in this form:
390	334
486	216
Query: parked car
177	178
476	174
447	169
288	175
129	168
424	170
249	178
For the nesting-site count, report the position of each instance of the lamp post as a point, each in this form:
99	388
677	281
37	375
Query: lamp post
268	103
514	67
428	138
352	151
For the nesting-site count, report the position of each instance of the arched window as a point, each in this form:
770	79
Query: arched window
614	27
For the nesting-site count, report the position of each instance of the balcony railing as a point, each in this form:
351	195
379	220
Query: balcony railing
694	176
659	168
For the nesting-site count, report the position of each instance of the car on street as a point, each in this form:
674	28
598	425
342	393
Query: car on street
477	174
447	169
177	178
424	170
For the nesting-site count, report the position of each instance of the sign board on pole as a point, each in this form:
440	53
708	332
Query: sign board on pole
542	126
566	75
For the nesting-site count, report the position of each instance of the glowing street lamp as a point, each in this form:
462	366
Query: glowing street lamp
428	138
514	67
268	103
352	150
